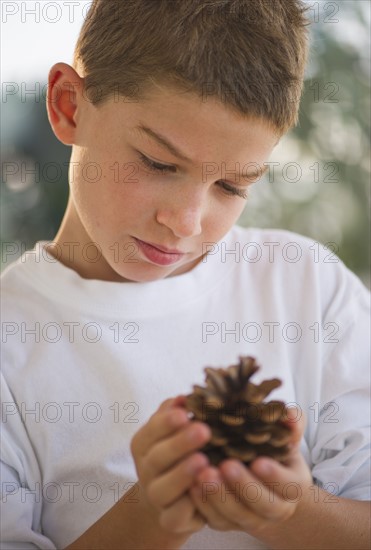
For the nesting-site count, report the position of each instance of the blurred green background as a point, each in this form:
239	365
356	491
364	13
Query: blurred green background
318	186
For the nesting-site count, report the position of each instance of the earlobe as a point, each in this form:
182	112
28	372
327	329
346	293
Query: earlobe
65	89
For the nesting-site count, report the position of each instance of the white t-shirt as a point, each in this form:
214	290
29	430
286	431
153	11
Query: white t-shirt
86	362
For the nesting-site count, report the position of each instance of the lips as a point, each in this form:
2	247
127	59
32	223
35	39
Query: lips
164	248
159	254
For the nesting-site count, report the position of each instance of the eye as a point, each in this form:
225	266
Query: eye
155	166
161	168
233	191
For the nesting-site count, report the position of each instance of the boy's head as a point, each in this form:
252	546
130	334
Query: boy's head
249	54
218	79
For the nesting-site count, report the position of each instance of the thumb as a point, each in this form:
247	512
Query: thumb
295	419
177	401
269	469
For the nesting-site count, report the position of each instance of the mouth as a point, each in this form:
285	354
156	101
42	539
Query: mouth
159	254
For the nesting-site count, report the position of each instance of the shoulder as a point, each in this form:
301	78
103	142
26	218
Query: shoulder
23	279
24	266
26	305
272	238
295	266
290	252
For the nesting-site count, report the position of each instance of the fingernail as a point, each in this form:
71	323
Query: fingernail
203	432
210	476
202	461
292	413
234	470
177	418
265	467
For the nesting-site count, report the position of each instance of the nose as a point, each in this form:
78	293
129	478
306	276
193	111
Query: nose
183	216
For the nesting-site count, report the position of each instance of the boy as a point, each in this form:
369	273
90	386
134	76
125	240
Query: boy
172	108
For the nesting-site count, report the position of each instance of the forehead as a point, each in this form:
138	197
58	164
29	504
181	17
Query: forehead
198	127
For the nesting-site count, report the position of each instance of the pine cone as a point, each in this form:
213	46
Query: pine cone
242	425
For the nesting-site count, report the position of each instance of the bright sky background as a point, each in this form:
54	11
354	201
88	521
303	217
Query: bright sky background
30	47
31	44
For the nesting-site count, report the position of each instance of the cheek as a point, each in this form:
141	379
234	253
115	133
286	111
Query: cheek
128	197
108	185
222	217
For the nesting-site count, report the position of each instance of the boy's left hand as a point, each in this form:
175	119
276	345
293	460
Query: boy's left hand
239	498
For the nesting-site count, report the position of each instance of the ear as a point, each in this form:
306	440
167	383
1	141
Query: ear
65	95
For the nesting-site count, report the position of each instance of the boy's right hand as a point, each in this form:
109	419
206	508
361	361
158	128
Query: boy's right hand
167	464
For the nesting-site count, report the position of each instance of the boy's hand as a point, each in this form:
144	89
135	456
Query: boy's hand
234	497
167	464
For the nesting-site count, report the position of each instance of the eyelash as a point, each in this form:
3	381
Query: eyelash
162	168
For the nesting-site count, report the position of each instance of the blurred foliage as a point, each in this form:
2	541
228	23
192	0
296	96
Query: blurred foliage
32	205
330	201
319	186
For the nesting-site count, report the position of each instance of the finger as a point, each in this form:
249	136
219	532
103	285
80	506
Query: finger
295	419
205	495
177	401
166	489
294	474
181	517
213	518
169	451
161	425
256	498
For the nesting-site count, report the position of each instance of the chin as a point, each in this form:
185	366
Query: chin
144	276
148	272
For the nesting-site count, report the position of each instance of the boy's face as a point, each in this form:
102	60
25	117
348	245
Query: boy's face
128	208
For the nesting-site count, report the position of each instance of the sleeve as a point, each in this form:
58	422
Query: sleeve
340	452
21	499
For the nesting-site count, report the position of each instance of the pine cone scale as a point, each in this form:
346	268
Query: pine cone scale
242	425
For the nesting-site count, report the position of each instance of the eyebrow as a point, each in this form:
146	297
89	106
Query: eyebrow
162	140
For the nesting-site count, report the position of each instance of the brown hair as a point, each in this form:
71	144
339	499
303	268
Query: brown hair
250	54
